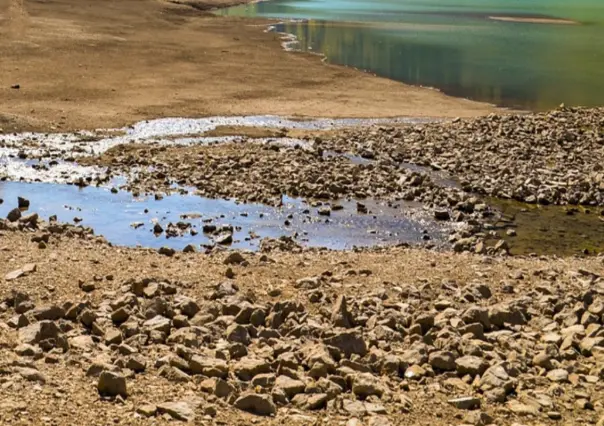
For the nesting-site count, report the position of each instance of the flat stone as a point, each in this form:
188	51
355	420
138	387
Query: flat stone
51	313
471	365
247	368
558	375
158	323
23	271
179	410
355	408
260	404
465	403
523	409
83	343
148	410
31	374
289	386
210	367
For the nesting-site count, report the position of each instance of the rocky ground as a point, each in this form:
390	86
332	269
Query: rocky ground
548	158
99	335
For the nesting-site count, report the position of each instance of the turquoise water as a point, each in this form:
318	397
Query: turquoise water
455	46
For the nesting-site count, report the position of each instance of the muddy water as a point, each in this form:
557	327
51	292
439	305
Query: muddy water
111	215
551	229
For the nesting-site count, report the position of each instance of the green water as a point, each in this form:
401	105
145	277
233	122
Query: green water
454	46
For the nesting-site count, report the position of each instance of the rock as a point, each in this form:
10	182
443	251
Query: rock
30	374
83	343
289	386
51	313
18	321
442	360
324	211
543	360
378	421
348	342
354	422
174	374
257	404
224	238
503	314
237	333
88	287
315	401
147	410
465	403
365	385
23	203
415	372
18	273
179	410
589	343
558	375
39	331
496	377
136	363
189	248
112	384
210	410
224	289
96	368
523	409
471	365
158	323
14	215
264	380
247	368
441	214
120	315
340	317
234	258
478	418
113	337
26	350
355	408
219	387
166	251
210	367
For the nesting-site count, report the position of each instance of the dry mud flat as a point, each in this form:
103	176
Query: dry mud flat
96	335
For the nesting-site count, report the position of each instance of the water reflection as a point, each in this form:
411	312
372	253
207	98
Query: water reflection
459	49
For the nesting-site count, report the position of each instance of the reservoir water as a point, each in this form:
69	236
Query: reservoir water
530	54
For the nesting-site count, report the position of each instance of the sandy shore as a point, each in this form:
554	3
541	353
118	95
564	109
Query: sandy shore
85	64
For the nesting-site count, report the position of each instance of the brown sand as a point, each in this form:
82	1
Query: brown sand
90	64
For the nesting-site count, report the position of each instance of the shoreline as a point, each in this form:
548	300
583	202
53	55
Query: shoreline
178	61
549	21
